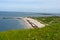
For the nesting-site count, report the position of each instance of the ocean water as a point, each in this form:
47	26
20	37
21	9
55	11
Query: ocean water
13	24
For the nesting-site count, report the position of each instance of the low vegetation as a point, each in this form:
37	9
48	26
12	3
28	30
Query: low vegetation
50	32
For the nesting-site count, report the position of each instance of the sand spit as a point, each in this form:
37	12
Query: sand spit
34	23
31	23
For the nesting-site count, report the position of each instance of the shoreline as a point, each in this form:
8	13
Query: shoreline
31	23
34	23
28	26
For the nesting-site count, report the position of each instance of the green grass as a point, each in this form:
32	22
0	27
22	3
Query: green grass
50	32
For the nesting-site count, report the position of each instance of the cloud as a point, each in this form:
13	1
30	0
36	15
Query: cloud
30	5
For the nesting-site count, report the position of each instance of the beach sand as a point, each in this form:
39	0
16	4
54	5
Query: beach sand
33	21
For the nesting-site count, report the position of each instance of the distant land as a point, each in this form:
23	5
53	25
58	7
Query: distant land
31	13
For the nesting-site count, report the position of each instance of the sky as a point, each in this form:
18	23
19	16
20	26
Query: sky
44	6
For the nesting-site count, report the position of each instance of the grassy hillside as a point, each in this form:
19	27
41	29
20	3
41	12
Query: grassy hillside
50	32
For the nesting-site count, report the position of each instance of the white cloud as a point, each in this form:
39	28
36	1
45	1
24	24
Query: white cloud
30	5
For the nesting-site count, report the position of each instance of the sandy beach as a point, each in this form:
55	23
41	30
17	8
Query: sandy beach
32	23
27	23
28	26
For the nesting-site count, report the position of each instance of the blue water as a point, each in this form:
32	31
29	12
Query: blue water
13	24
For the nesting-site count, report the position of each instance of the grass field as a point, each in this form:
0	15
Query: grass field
50	32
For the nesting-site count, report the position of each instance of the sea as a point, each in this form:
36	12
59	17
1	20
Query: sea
13	24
